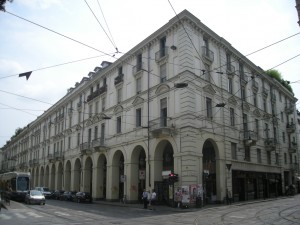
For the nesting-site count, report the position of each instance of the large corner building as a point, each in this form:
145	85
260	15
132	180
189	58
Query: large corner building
182	101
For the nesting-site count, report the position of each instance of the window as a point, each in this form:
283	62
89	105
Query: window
69	142
90	111
163	73
207	72
275	134
103	104
269	158
119	124
163	112
138	113
258	155
89	135
78	139
281	115
209	108
70	121
247	154
138	85
266	130
265	105
206	45
245	122
102	133
139	62
95	132
120	70
233	150
79	117
232	119
255	99
119	95
243	93
230	85
285	158
241	70
291	158
228	61
162	46
277	158
257	127
96	107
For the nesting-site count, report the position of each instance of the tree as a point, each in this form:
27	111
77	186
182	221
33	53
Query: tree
277	75
2	3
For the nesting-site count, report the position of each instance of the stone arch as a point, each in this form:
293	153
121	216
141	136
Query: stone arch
117	170
42	176
52	177
37	176
47	176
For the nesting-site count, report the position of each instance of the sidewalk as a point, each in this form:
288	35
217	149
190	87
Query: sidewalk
183	210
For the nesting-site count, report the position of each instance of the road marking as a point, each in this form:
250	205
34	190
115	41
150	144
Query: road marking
20	215
239	217
5	217
62	214
34	214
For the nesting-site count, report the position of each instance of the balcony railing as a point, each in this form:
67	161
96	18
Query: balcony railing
138	68
270	144
208	54
99	144
290	128
58	155
289	109
119	79
250	137
85	148
96	93
292	147
161	126
50	157
162	53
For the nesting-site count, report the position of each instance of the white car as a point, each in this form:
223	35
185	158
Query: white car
46	192
35	197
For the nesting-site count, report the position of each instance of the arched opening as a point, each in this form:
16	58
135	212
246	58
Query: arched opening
88	175
163	166
209	172
101	180
42	175
52	177
68	176
118	177
37	177
77	175
59	176
47	175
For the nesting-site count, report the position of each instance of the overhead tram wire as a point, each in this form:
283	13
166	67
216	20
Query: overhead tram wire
62	35
61	64
107	26
111	41
18	109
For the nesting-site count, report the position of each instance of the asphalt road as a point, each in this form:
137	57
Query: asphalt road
278	211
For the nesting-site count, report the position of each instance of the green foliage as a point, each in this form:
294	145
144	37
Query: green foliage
277	75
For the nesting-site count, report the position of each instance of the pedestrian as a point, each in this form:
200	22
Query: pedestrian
145	198
153	199
229	197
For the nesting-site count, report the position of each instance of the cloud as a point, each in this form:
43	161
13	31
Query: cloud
40	4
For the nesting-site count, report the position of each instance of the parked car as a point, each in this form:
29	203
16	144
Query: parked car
35	197
83	197
45	191
57	194
69	195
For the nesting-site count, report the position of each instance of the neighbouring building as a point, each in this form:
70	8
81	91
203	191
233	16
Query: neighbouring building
298	9
182	101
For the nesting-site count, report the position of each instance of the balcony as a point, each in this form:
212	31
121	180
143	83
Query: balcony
230	70
119	79
250	138
99	145
137	69
290	128
50	158
35	162
265	92
85	148
162	126
58	156
207	55
254	85
270	144
23	165
292	147
289	109
96	93
161	54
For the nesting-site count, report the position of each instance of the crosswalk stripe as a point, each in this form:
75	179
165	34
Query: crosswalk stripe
34	215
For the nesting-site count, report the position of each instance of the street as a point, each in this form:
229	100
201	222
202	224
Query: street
277	211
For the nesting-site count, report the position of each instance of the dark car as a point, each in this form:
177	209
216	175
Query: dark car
83	197
68	195
57	194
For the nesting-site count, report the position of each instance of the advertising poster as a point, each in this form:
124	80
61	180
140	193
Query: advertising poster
185	195
194	193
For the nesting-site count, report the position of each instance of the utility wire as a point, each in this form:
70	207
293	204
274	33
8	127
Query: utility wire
18	109
61	64
62	35
101	26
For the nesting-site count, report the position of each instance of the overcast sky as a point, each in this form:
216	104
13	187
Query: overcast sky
247	25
